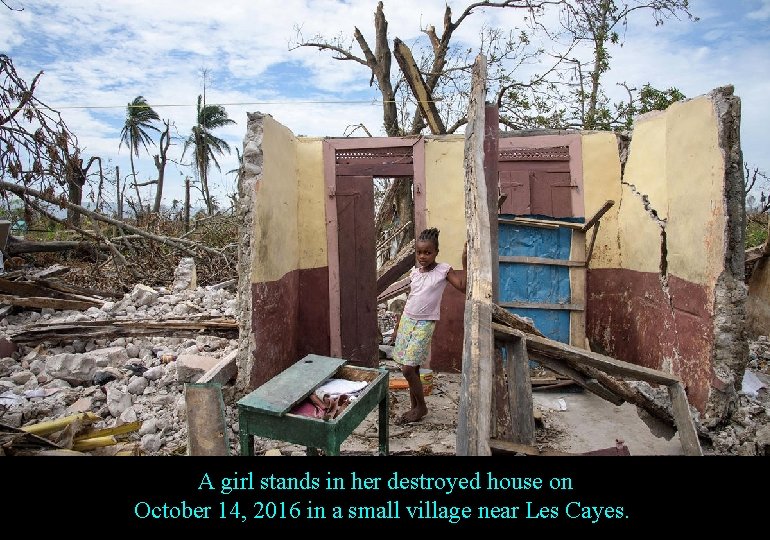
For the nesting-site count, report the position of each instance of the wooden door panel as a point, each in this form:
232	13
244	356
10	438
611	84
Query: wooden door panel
551	194
358	287
516	185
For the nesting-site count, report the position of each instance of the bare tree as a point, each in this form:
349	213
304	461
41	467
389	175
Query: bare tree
600	23
37	150
160	163
442	72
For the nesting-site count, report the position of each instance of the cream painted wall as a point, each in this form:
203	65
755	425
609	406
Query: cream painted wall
445	195
696	175
644	178
675	161
601	182
274	237
311	213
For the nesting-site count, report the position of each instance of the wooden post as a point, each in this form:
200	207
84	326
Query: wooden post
473	423
491	159
520	393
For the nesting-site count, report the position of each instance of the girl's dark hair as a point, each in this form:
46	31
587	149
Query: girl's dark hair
429	235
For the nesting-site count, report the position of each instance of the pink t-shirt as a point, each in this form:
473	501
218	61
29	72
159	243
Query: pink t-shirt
424	300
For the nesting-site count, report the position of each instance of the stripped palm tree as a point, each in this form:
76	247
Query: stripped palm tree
205	145
139	118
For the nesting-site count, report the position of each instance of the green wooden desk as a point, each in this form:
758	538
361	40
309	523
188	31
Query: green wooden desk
265	411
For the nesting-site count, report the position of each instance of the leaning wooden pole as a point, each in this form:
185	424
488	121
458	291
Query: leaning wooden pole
473	423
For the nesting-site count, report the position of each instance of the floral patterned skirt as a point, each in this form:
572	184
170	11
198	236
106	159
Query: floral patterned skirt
413	341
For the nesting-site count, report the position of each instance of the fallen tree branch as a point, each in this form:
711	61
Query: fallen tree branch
25	192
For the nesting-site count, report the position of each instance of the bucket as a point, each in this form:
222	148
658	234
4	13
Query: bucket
426	377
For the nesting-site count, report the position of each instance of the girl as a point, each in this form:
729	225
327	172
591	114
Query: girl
423	306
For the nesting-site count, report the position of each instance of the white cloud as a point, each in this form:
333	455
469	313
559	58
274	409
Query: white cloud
97	56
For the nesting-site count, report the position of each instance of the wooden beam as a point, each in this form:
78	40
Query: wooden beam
590	384
683	419
473	422
520	393
516	322
533	222
577	287
598	215
540	260
222	372
542	305
53	303
492	179
395	268
608	364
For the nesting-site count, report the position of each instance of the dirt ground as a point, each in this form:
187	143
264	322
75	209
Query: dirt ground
571	420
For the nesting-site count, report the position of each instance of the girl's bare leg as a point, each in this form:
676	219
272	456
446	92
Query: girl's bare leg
416	396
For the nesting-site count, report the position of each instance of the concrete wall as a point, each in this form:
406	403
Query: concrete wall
445	197
284	243
665	282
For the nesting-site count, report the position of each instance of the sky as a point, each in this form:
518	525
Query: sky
97	56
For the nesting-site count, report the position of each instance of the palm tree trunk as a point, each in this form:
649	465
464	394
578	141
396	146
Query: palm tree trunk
136	187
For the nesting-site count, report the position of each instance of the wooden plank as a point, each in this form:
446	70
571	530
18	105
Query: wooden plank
577	287
533	222
491	177
475	405
500	426
374	169
540	305
222	372
509	221
520	393
598	215
395	268
683	420
498	446
206	427
549	347
292	385
505	317
542	260
590	384
53	303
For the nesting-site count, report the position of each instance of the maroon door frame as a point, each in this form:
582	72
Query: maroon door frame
330	147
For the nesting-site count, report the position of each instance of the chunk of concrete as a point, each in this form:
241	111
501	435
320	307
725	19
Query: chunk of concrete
191	367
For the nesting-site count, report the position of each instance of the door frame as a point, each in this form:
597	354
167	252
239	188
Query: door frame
330	147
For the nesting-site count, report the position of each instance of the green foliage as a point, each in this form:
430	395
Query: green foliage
139	118
756	230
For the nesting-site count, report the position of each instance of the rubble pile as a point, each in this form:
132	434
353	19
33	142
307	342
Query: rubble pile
123	380
747	433
124	366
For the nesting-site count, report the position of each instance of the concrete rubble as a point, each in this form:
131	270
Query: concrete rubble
129	379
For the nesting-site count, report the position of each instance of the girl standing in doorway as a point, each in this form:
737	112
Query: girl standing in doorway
423	307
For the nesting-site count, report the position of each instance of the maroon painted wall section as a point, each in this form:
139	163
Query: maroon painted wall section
628	317
446	352
274	310
313	336
289	319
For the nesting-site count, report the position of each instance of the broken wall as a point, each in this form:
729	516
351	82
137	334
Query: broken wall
665	284
282	263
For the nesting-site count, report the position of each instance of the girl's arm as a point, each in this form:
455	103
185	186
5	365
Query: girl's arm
458	279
